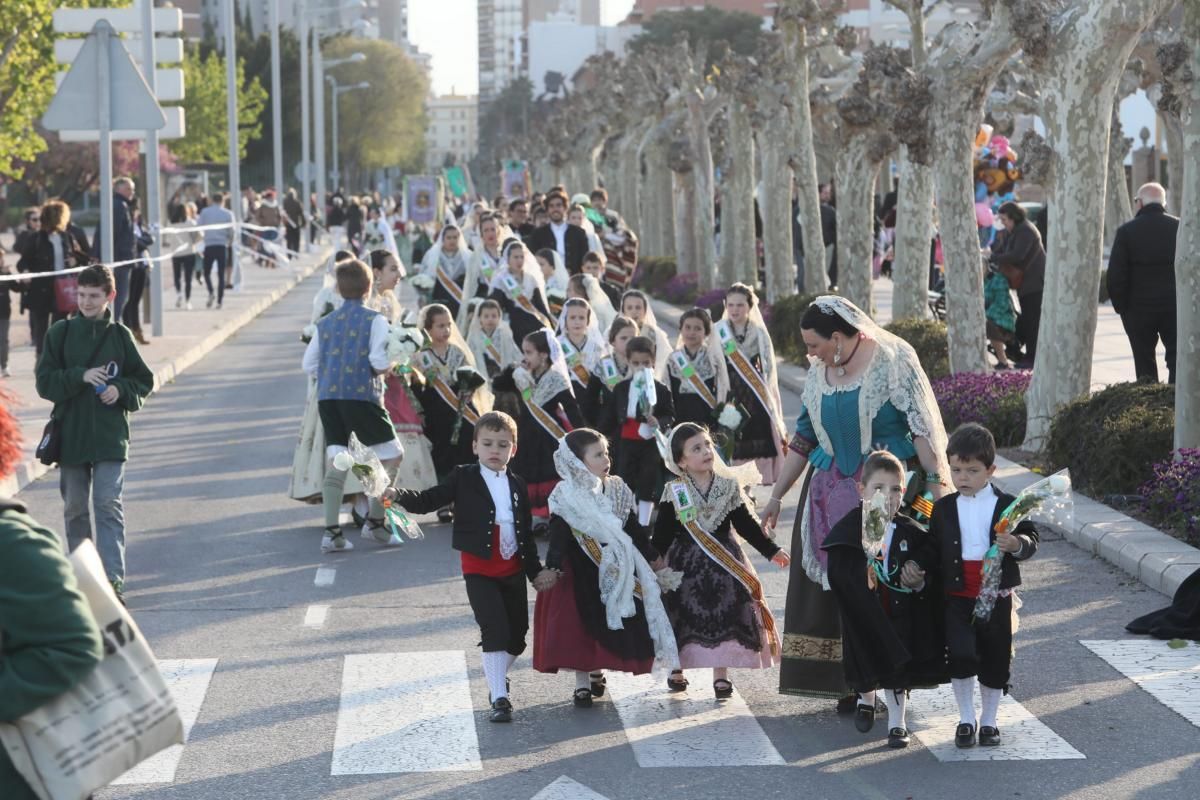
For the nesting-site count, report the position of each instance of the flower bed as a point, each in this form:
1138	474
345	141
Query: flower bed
1171	499
995	400
681	290
929	339
652	273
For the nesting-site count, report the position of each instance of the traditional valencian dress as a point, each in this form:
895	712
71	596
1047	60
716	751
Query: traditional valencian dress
699	384
719	614
605	611
448	271
754	384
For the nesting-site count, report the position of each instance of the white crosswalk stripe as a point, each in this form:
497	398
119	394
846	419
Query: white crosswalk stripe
933	716
669	729
1171	675
188	680
405	712
566	789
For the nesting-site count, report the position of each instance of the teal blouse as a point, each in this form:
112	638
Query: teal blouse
839	418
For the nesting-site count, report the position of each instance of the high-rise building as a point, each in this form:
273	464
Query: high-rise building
393	20
452	130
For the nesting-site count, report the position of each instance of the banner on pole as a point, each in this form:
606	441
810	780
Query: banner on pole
423	198
458	180
514	178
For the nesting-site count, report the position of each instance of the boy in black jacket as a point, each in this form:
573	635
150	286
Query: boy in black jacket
630	426
961	530
493	532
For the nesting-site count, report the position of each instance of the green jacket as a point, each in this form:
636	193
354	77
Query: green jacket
91	430
49	640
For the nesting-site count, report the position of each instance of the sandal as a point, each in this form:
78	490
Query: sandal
723	688
599	682
377	529
677	685
582	698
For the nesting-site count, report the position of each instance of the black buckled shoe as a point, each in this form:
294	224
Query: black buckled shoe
864	718
964	735
582	697
599	683
989	736
676	682
722	688
898	738
502	711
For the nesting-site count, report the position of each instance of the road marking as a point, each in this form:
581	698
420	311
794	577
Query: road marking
405	712
325	576
188	680
1169	675
933	716
315	616
566	789
668	729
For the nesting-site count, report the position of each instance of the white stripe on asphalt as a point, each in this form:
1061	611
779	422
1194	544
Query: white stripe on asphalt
669	729
1170	675
566	789
188	680
325	576
933	716
405	712
315	616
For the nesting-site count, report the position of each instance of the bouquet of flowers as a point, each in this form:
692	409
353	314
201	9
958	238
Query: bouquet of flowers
404	341
1052	497
422	282
366	466
731	418
466	381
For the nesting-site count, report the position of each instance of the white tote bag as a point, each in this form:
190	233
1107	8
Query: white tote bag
120	715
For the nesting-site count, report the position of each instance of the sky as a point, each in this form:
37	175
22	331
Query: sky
447	30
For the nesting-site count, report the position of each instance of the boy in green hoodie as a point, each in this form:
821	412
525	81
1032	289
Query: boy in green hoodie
91	370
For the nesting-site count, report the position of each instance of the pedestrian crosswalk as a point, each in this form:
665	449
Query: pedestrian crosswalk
417	712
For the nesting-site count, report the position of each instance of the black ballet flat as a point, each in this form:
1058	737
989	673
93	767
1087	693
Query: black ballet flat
582	698
989	736
864	718
964	735
898	738
677	685
598	683
725	691
502	711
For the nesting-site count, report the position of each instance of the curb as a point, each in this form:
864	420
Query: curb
29	471
1154	558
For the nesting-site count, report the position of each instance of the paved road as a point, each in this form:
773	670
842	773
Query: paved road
370	685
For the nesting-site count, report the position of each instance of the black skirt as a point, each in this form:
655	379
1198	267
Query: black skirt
758	438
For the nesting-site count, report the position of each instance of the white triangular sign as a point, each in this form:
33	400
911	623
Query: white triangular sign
76	104
566	789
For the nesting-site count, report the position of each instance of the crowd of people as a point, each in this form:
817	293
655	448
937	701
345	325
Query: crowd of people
523	412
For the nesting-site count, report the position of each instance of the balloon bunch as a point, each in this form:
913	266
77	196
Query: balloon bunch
996	174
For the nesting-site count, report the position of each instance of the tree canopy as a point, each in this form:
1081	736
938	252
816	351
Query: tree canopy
204	109
740	31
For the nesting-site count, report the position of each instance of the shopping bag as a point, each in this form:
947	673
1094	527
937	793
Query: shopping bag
65	289
119	716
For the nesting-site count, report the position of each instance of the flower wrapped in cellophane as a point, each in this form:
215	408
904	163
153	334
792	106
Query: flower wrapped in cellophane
1051	498
875	518
404	341
366	466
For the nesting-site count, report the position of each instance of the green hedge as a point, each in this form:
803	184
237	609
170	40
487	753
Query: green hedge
784	327
928	338
1112	439
653	273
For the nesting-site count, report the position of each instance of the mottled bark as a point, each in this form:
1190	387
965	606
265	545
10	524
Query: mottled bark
1117	207
1176	156
1187	253
1079	75
738	253
683	207
655	207
856	169
704	219
776	208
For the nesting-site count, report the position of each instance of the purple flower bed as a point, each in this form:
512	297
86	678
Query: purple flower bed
995	400
713	301
1171	499
681	289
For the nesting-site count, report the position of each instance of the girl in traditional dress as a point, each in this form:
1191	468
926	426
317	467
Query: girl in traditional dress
377	235
611	369
588	288
416	471
719	614
446	264
583	346
605	610
636	306
481	268
548	411
555	276
753	381
696	370
449	418
491	343
519	290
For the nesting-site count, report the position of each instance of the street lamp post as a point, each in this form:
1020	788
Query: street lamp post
319	67
338	91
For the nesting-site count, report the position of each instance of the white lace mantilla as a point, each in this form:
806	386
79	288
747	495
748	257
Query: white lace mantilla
433	365
545	388
724	496
705	370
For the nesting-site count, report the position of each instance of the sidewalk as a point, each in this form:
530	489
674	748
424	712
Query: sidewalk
1156	559
190	336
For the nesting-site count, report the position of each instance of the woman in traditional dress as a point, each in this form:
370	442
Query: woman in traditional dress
519	290
753	381
636	305
481	268
865	391
548	411
583	347
377	235
449	416
696	370
720	616
446	263
605	610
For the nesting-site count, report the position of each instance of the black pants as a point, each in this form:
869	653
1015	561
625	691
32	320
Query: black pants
40	322
980	648
218	255
131	314
293	240
502	611
1144	329
183	267
1029	321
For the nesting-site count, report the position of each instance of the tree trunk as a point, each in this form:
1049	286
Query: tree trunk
1187	254
1176	156
914	232
1078	86
683	206
628	185
804	166
776	209
856	173
738	255
704	220
654	189
1118	208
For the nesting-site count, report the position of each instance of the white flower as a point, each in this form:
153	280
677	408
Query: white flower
343	461
1059	483
669	579
730	417
308	333
423	282
878	502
